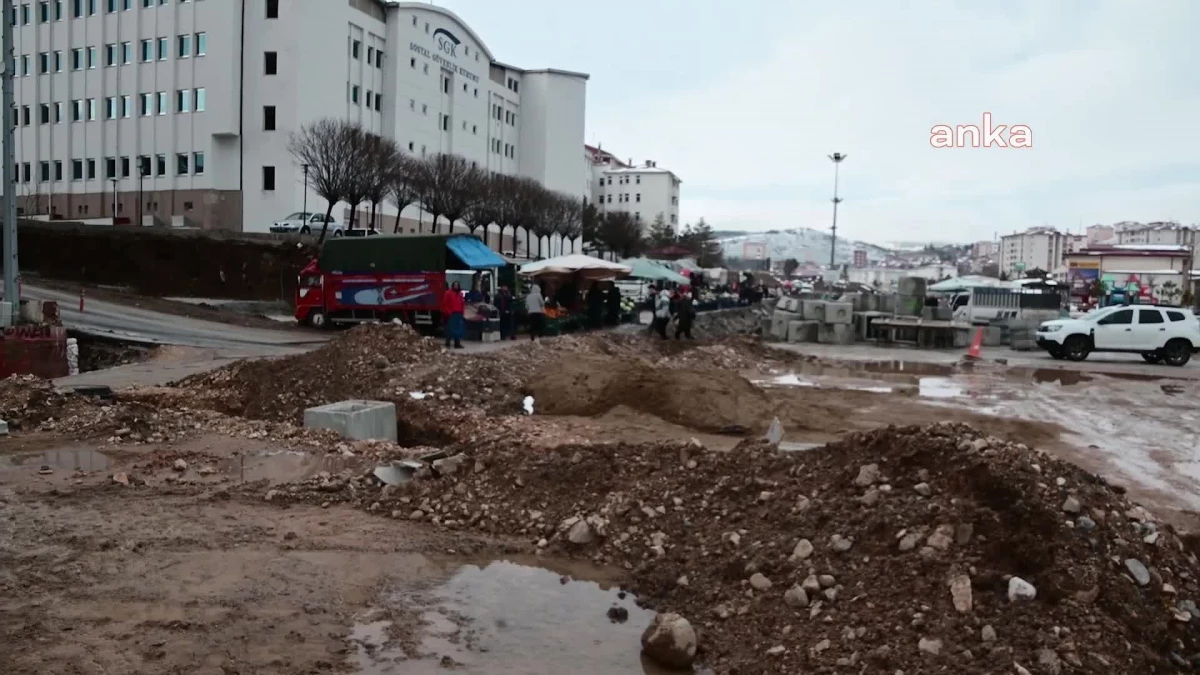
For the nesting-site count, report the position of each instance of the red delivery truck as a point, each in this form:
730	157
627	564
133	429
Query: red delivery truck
360	279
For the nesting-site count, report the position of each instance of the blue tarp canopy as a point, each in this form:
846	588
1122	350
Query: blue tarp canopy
474	253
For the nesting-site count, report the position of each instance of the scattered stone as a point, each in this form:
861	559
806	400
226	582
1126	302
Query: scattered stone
868	475
931	647
1085	523
580	533
418	514
776	650
942	538
803	550
826	580
923	489
988	634
670	641
1019	589
840	544
822	646
448	466
1072	506
180	465
960	593
909	541
618	614
121	478
759	582
1140	574
796	597
1048	662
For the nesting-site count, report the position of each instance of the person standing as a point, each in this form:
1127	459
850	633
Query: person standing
504	306
613	299
684	315
662	312
595	305
535	307
452	310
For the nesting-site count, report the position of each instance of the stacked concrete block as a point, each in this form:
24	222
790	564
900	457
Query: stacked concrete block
839	312
356	419
813	310
789	304
803	331
779	323
835	334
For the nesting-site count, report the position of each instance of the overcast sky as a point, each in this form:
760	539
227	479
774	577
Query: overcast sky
744	100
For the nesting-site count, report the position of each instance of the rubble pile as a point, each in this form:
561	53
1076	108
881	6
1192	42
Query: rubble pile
355	364
922	549
27	401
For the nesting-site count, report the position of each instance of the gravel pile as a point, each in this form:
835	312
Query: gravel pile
923	549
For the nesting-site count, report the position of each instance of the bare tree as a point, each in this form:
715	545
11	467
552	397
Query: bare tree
485	204
546	219
403	187
529	208
570	216
327	146
447	183
383	158
507	191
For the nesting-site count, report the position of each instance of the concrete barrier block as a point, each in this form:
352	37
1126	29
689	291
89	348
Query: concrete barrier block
839	312
789	304
835	334
803	331
779	323
813	310
356	419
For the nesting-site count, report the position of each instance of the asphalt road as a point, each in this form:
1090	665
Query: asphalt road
123	322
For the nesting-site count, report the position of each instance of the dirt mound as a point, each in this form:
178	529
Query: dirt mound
709	400
355	364
842	559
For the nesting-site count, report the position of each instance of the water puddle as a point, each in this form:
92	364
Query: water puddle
65	459
938	387
793	380
288	465
504	617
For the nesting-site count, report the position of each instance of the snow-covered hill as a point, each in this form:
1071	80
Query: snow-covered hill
804	244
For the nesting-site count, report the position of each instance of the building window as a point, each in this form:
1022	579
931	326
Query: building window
354	93
44	171
163	49
160	165
77	169
370	97
110	167
269	118
185	46
126	53
445	123
147	104
144	165
272	9
147	50
91	109
110	54
77	58
110	108
200	100
268	177
271	63
198	163
638	198
58	112
126	106
201	44
378	58
181	164
44	113
378	102
91	58
183	100
356	49
162	103
124	167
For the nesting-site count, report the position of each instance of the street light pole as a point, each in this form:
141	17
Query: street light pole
141	205
836	158
114	202
304	209
11	292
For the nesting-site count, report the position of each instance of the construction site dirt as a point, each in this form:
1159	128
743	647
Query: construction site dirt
899	526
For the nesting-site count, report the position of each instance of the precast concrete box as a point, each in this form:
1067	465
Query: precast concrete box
813	310
839	312
789	304
835	334
356	419
802	331
779	323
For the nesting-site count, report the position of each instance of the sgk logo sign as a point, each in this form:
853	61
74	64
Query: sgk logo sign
987	135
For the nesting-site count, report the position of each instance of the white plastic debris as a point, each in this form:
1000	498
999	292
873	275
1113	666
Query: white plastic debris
417	395
527	404
775	433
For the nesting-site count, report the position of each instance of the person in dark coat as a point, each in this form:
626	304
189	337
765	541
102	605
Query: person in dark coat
595	305
504	306
613	299
684	315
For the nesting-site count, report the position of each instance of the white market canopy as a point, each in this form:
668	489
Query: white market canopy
586	265
965	283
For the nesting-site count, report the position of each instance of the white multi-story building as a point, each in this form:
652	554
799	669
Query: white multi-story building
646	191
186	107
1160	233
1036	248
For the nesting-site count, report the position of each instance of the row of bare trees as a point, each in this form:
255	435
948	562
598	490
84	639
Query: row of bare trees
348	164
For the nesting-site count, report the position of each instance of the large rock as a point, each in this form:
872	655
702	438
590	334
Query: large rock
670	641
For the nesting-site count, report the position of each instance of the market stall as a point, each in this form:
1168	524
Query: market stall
565	281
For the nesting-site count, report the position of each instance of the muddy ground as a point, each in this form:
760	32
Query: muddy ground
114	561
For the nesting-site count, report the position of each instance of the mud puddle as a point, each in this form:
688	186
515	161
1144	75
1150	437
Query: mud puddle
508	617
289	465
63	459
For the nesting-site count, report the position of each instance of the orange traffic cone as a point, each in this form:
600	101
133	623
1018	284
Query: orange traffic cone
973	352
81	299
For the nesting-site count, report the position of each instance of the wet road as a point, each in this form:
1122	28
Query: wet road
139	325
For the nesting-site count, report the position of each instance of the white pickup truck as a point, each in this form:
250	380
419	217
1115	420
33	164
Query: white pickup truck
1160	334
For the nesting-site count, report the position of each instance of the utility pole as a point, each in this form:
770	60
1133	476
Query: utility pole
836	158
11	292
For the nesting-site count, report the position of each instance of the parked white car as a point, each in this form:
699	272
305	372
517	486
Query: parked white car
306	223
1160	334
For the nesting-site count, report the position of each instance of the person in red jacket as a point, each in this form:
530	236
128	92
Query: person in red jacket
452	312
